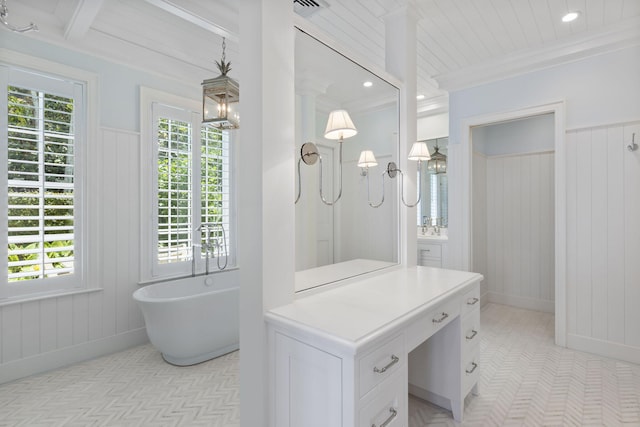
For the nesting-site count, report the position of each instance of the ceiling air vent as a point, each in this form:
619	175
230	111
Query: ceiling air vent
306	8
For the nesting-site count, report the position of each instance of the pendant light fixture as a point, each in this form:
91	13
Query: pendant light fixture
221	97
438	162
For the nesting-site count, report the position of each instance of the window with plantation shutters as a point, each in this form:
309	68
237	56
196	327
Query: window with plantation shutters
191	188
175	190
40	168
40	180
215	191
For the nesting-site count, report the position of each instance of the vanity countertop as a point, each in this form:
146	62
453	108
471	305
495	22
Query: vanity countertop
351	315
433	237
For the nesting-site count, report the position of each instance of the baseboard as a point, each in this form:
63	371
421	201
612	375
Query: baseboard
521	302
604	348
69	355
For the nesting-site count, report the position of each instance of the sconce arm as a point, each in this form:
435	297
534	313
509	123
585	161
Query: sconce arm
419	187
299	182
339	179
374	205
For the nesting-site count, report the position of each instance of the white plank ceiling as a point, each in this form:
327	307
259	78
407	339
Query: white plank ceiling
460	42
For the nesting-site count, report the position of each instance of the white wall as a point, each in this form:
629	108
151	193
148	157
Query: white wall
44	334
513	211
436	126
603	236
598	91
520	230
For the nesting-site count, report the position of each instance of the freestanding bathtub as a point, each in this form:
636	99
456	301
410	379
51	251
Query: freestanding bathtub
191	320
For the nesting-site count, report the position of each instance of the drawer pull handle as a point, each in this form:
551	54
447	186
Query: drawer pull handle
394	414
441	319
475	365
394	360
472	301
473	334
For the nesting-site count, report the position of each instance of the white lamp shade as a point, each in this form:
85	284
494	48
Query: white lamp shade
419	151
367	159
339	125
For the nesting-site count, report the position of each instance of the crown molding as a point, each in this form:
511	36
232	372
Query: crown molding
434	105
623	35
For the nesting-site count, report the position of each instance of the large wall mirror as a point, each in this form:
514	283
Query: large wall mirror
433	212
339	240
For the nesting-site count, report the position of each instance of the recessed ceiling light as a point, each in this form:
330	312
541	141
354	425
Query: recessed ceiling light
367	84
420	97
571	16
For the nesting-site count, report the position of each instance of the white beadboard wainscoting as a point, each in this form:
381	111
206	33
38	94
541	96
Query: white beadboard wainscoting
513	238
40	335
603	241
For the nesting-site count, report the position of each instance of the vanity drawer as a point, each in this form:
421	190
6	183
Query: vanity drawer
389	406
381	363
430	250
470	373
471	300
470	332
430	323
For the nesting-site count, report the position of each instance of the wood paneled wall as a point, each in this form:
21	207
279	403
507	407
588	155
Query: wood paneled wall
520	254
603	240
47	333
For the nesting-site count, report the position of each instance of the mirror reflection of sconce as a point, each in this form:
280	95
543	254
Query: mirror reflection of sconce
367	160
419	152
339	127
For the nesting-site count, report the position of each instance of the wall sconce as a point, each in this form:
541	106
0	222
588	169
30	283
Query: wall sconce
221	97
367	160
339	127
419	152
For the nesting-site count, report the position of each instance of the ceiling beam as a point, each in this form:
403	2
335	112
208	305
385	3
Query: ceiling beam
189	16
83	16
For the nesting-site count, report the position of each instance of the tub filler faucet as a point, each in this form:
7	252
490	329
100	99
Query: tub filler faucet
212	246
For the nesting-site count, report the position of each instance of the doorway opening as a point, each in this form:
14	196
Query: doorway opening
515	212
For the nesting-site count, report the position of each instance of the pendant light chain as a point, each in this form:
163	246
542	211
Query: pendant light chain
224	49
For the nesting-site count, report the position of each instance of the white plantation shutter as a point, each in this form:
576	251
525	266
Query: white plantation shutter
175	192
433	183
192	184
215	183
39	164
439	198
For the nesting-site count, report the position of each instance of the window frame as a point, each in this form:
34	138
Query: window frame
187	110
27	72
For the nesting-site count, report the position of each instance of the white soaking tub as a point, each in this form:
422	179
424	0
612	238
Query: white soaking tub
191	320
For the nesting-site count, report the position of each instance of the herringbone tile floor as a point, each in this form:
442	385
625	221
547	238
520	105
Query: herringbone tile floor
131	388
528	381
525	380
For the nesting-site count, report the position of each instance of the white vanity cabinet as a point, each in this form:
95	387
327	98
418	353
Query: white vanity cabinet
343	357
432	251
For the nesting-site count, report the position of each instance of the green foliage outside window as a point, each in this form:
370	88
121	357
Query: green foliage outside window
40	171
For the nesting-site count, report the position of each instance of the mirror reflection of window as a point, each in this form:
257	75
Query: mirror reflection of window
433	208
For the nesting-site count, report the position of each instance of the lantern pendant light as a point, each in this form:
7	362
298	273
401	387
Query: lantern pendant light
438	162
221	97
